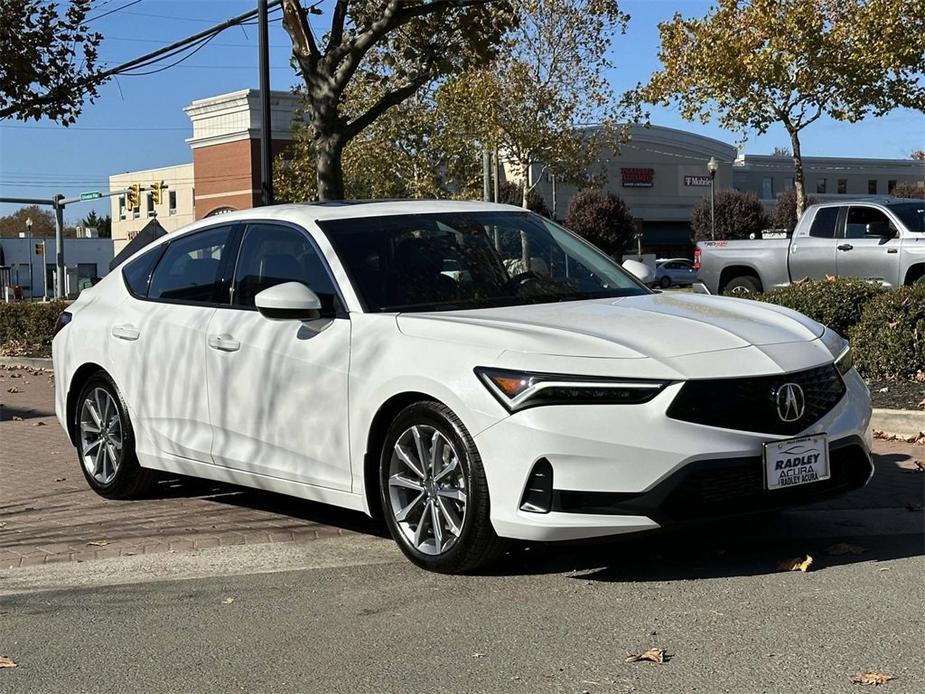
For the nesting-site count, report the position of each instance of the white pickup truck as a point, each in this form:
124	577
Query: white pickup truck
880	240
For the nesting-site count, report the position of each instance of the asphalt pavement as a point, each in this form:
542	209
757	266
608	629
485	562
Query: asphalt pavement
349	614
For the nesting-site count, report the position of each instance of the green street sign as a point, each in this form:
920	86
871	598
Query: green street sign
92	195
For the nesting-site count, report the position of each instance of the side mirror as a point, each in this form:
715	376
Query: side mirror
288	301
640	270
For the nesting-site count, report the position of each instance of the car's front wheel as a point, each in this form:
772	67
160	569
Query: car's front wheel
434	492
106	442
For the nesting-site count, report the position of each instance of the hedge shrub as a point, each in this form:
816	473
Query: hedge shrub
29	322
889	340
837	303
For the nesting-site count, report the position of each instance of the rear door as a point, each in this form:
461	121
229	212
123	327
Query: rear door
869	248
812	250
278	388
160	341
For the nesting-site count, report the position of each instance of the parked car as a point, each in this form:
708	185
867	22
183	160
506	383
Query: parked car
878	240
322	351
679	272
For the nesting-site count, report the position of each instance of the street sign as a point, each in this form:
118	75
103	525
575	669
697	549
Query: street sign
92	195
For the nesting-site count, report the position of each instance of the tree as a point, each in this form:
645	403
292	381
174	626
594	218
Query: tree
533	100
103	225
918	155
738	216
393	48
781	152
908	190
48	65
43	222
754	63
784	215
603	219
510	193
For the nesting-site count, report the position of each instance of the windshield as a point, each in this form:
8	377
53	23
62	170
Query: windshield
911	214
460	260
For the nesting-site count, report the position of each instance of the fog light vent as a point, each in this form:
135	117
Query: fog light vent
538	494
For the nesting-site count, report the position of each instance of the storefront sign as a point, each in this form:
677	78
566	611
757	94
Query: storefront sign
697	181
637	178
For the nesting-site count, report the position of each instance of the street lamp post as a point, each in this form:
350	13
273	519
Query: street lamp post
29	255
712	166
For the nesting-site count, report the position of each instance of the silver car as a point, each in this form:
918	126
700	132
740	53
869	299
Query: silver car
674	271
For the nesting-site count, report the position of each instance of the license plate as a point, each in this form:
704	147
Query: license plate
794	462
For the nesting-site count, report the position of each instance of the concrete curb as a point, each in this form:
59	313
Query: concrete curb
27	362
903	423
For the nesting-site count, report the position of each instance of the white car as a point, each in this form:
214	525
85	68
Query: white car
322	351
674	271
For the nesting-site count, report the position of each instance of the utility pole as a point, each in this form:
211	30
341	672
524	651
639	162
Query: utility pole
59	246
495	172
266	143
486	175
31	249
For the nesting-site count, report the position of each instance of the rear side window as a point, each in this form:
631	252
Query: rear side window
190	269
824	223
137	274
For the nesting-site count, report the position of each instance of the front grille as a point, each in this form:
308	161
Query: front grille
748	404
721	488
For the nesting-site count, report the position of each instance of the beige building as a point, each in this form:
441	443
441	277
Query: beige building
177	207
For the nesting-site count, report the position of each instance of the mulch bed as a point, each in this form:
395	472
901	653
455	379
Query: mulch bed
897	395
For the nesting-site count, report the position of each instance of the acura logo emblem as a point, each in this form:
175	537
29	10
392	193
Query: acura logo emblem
790	401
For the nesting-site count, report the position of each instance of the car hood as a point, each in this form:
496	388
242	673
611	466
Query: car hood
658	326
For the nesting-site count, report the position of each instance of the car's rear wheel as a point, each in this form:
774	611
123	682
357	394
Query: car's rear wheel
665	282
743	286
106	442
434	492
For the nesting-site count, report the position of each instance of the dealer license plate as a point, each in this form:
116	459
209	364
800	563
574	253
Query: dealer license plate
794	462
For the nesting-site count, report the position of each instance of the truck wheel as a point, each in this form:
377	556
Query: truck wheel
743	286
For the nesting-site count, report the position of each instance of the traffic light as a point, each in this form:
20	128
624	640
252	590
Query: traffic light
133	199
156	192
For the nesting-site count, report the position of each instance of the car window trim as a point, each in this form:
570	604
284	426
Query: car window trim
160	253
184	302
340	306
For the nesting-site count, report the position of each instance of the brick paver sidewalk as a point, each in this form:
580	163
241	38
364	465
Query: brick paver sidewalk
49	514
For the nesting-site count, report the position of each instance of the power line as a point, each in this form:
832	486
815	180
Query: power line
118	9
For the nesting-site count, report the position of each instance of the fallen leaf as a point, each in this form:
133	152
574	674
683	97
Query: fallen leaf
874	678
17	419
914	507
2	524
14	389
884	568
478	655
796	564
914	466
60	479
98	543
654	655
39	424
6	662
227	601
841	548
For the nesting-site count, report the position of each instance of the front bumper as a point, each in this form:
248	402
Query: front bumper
629	468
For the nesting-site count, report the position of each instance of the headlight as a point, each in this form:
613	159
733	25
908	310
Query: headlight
844	362
518	390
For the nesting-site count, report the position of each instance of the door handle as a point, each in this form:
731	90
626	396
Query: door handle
125	332
224	343
892	250
845	247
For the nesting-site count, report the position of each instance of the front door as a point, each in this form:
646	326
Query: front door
278	388
812	251
870	247
159	345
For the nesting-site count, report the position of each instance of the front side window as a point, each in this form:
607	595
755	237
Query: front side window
824	223
911	214
461	260
272	254
865	222
190	270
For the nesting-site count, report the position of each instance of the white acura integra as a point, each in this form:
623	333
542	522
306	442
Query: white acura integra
470	371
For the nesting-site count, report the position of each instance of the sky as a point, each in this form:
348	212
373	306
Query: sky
138	122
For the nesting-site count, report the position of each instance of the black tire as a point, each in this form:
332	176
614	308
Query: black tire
665	282
129	480
920	280
476	545
743	285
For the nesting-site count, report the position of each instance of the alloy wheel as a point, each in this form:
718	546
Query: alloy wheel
100	435
427	489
